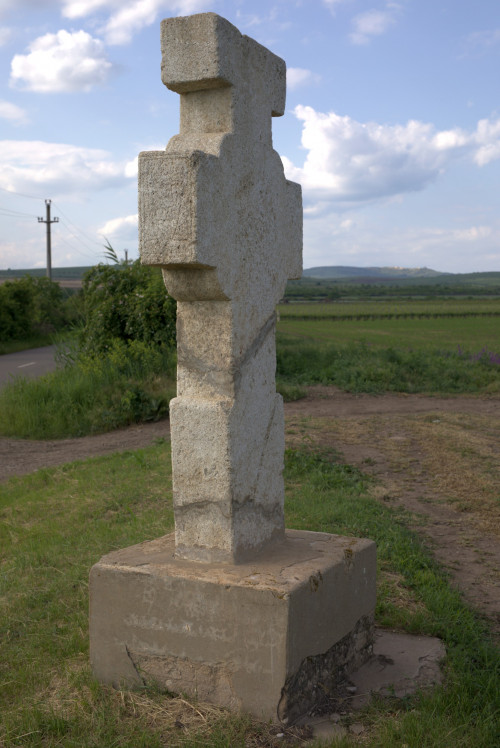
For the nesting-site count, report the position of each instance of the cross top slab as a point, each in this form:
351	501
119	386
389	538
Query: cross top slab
207	53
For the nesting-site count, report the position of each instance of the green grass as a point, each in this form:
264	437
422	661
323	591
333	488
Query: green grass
422	308
14	346
386	353
131	384
56	523
442	334
360	367
423	346
466	710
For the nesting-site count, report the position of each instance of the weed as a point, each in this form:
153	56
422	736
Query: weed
359	367
132	383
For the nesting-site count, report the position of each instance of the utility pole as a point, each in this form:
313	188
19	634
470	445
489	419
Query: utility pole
48	221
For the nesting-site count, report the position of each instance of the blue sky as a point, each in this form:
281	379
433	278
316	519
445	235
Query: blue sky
392	124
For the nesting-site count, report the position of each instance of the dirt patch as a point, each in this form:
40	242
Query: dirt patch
21	456
438	457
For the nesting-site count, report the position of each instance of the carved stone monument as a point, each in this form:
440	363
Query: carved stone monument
217	214
232	609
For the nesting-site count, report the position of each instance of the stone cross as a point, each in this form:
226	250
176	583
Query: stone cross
204	612
218	216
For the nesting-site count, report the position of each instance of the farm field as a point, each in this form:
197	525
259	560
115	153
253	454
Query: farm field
471	334
397	308
471	325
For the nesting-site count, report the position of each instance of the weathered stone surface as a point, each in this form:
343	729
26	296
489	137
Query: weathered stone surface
262	637
318	677
217	214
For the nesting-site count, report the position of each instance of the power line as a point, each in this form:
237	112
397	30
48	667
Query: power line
14	213
58	207
77	238
75	248
10	213
20	194
48	221
81	231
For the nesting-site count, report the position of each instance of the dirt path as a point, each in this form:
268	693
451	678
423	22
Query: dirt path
437	457
20	456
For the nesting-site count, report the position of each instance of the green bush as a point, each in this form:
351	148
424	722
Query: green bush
31	307
119	369
127	303
16	310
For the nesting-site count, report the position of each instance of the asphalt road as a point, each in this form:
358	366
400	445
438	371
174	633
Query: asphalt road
32	363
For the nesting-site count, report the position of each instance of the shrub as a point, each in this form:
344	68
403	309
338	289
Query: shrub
16	310
119	369
31	307
127	303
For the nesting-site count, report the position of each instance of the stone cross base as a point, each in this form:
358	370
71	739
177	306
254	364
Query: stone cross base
269	637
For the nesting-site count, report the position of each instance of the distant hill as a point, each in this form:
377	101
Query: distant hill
337	272
75	273
336	283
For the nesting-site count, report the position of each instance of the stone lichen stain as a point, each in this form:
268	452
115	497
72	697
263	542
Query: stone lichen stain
315	580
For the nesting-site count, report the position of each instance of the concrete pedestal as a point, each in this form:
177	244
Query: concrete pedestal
264	637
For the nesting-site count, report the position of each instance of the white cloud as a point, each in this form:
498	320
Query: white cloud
350	162
374	22
17	255
81	8
131	17
13	113
247	20
120	226
332	4
420	238
369	24
482	40
296	77
5	34
472	234
132	167
447	248
126	17
57	168
487	137
61	62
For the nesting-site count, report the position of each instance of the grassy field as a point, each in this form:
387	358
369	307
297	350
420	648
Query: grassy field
430	326
56	523
378	286
426	347
361	347
444	334
395	308
130	384
57	273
